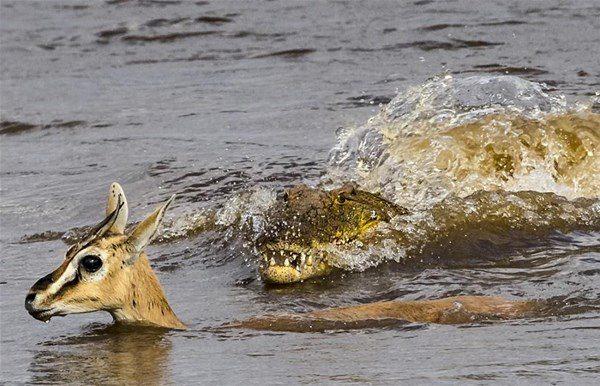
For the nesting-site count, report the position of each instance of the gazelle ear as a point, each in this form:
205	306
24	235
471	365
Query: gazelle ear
144	231
116	197
103	227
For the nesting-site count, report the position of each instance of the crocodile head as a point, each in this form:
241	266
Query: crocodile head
306	222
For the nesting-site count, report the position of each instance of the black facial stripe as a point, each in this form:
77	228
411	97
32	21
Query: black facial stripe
43	283
67	285
75	249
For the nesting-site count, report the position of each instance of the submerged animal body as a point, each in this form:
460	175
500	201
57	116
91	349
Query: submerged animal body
450	310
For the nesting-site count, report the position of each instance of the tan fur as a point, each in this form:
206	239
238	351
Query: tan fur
144	301
445	311
451	310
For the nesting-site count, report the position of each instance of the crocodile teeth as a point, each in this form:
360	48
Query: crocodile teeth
286	262
302	258
309	260
272	262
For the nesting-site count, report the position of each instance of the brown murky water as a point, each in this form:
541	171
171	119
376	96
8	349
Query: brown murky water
224	103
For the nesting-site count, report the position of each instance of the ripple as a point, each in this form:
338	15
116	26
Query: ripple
15	127
289	54
165	38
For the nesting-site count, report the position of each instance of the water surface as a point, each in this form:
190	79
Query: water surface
219	100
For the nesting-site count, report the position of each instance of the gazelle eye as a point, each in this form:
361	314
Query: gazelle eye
91	263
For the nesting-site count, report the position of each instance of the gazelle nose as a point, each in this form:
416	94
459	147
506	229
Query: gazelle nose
29	300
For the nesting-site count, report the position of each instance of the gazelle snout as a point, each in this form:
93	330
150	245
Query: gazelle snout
32	299
29	302
32	309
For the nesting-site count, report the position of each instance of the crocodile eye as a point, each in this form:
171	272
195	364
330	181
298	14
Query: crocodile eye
91	263
341	199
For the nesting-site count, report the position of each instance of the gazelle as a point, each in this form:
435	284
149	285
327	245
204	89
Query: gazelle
109	271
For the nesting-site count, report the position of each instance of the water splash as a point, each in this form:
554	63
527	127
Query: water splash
458	136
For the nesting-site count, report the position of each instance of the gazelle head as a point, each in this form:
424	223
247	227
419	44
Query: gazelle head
107	271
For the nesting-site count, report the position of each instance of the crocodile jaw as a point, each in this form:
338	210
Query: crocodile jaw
289	263
280	274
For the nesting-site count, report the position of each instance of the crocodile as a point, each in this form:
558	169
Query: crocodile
306	221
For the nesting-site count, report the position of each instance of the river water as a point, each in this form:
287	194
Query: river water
225	103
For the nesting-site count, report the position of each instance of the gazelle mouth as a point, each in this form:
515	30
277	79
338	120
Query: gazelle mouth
43	315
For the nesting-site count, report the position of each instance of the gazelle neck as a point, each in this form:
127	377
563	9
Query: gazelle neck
145	302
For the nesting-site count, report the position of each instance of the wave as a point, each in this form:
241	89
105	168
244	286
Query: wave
459	136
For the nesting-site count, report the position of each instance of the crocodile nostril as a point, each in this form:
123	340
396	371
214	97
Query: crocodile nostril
30	298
